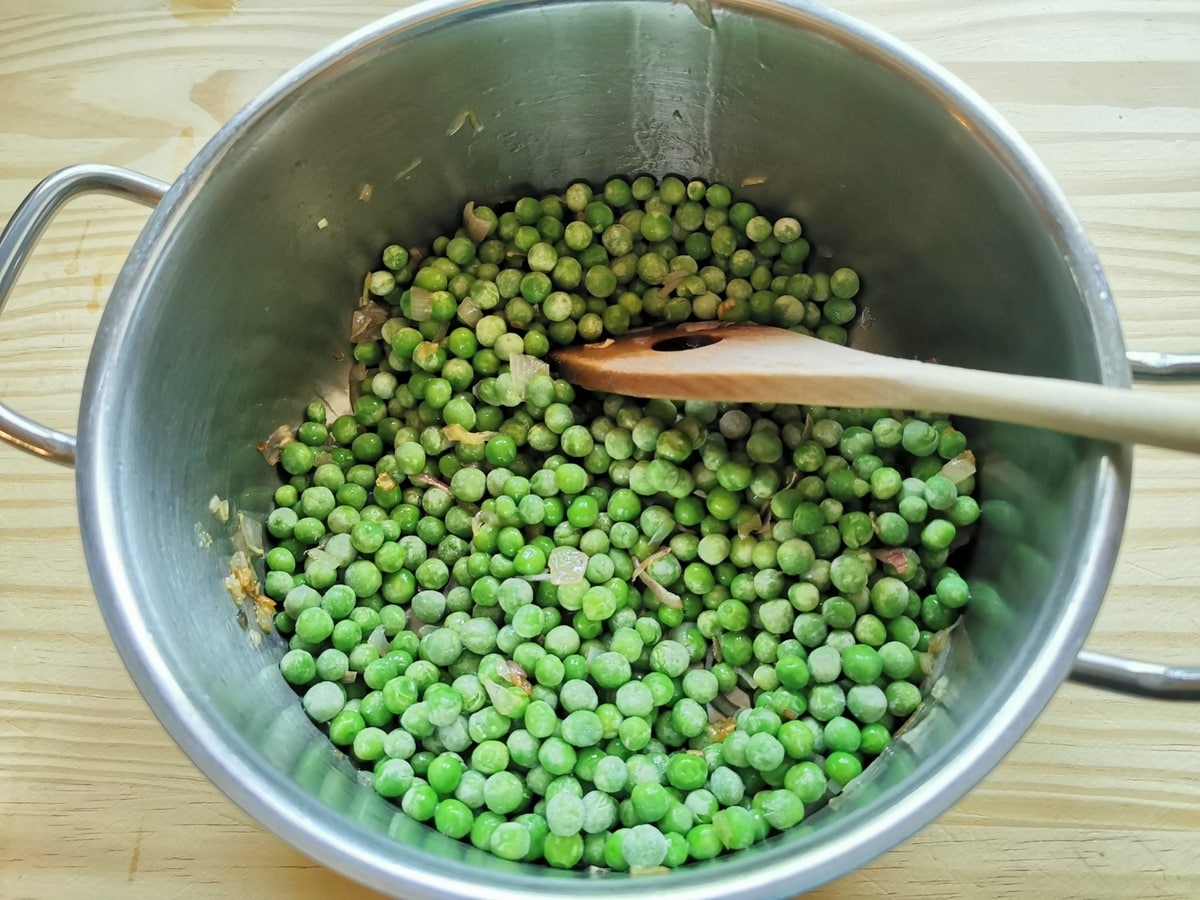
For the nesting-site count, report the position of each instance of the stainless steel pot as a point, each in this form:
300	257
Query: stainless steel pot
232	311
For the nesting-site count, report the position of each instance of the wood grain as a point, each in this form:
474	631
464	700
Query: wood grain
1100	800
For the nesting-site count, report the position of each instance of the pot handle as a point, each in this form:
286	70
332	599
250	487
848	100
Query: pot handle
1147	364
1129	676
17	241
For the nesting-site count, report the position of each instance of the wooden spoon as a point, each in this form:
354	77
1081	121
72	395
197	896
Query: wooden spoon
757	364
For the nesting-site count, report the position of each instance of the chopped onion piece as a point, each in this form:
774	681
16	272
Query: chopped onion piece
456	434
379	641
636	871
720	714
243	586
349	677
719	726
752	180
941	687
403	623
251	532
764	511
385	482
648	561
516	676
940	640
367	323
240	566
896	557
665	597
340	549
477	229
672	281
420	303
430	481
496	692
806	434
960	468
264	614
739	698
524	369
567	565
482	518
320	554
469	312
657	538
278	439
219	508
467	115
750	525
715	716
238	580
358	372
407	170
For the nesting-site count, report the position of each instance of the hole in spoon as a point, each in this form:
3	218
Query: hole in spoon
685	342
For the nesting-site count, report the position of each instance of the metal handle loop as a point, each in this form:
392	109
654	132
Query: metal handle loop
1130	676
17	241
1146	364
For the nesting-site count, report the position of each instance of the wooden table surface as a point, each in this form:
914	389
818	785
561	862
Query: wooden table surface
1100	800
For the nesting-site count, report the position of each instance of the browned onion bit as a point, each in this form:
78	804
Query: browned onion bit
366	324
477	228
278	439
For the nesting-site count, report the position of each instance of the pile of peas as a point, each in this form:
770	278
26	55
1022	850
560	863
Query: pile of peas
526	608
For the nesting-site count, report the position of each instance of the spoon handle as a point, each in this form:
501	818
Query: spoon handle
1074	407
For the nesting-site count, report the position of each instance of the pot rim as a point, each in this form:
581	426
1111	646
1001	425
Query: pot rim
271	797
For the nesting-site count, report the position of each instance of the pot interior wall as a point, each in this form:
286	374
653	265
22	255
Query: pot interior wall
245	317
